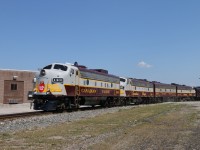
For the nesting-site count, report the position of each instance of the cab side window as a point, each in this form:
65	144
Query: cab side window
72	71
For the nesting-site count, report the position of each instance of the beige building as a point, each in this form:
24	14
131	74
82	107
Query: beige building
15	86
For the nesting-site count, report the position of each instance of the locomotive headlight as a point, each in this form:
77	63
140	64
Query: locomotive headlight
42	72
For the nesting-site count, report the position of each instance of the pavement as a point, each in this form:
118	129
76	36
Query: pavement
15	108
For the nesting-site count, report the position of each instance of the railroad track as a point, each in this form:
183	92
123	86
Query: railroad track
40	113
32	114
21	115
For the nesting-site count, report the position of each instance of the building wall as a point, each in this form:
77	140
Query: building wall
24	82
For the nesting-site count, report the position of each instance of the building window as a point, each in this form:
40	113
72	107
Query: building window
13	87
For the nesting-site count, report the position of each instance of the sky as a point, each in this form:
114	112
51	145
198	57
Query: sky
157	40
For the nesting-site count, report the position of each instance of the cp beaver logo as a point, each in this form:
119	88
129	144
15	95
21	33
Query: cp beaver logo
41	86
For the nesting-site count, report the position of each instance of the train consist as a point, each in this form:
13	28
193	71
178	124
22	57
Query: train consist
65	86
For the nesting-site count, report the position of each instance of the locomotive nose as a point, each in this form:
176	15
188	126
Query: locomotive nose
42	72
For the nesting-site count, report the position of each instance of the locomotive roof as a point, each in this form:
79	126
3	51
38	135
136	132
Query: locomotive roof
85	69
141	82
97	72
164	85
184	87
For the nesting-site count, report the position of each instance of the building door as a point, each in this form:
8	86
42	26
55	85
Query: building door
13	92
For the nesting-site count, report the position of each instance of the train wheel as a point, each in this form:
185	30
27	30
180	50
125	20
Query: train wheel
60	108
106	103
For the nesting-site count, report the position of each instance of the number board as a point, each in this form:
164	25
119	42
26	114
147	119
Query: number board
59	80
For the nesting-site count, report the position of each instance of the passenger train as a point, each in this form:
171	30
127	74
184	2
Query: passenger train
62	86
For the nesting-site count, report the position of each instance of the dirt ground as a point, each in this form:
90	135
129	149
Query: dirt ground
193	142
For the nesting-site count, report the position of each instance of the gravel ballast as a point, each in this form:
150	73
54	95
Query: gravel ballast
52	119
48	120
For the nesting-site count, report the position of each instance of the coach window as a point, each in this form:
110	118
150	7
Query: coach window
111	85
88	82
13	87
95	84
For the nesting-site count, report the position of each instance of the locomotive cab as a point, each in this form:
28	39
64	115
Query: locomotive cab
52	78
50	85
123	86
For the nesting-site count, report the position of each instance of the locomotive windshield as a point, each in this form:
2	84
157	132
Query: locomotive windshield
60	67
122	80
48	67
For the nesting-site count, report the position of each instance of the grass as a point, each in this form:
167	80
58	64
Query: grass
136	128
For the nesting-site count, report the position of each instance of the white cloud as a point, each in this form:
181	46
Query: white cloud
142	64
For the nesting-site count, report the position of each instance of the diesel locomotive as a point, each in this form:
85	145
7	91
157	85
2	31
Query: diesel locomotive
62	86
